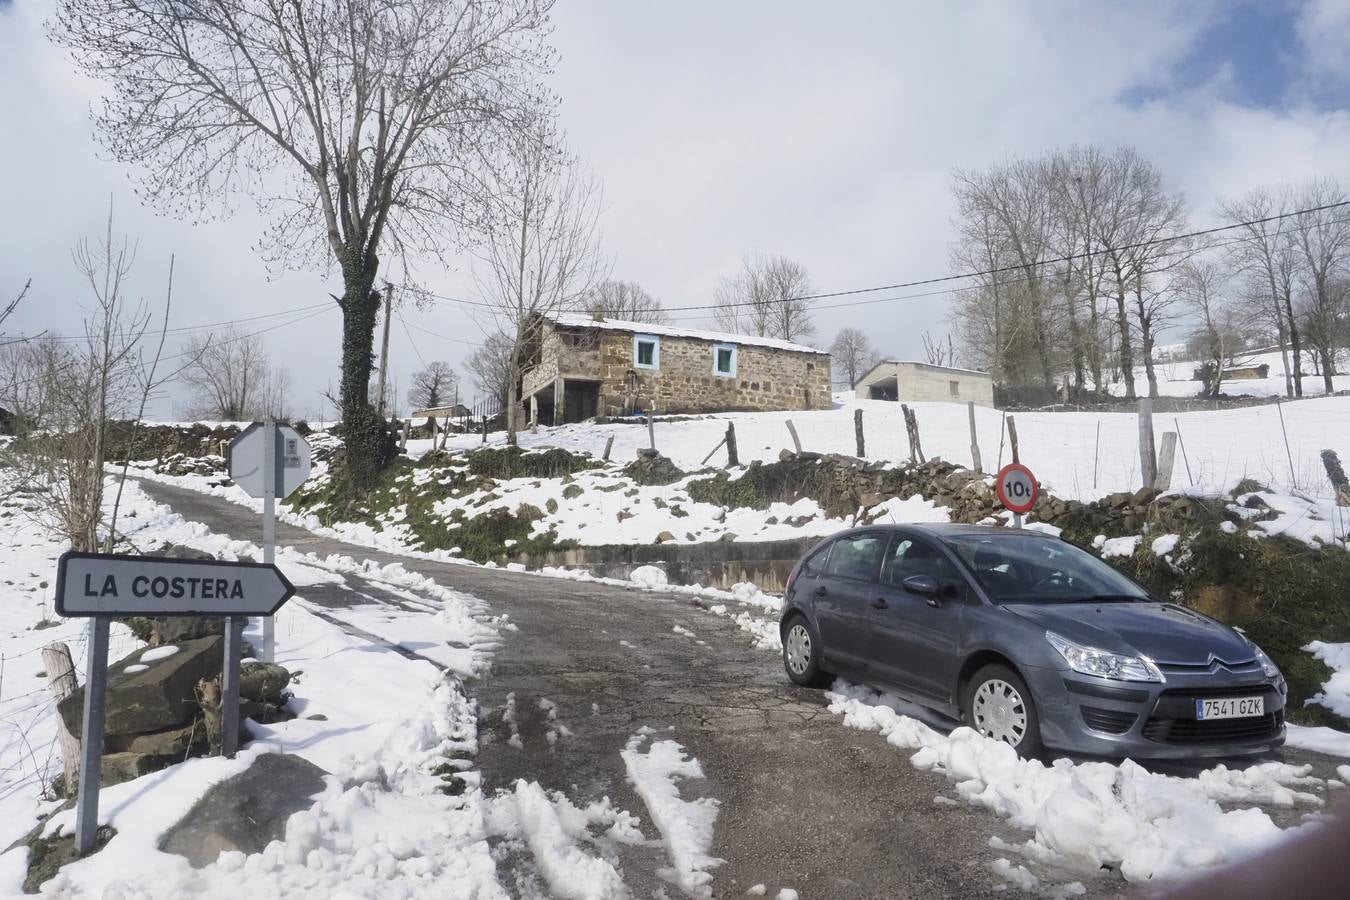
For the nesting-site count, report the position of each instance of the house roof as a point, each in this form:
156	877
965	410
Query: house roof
584	320
914	362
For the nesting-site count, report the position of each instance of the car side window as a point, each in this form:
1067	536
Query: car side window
857	556
815	563
908	557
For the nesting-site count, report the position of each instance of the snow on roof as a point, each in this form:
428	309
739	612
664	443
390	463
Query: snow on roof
584	320
926	365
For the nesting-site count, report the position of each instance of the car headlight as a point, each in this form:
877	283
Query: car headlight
1102	663
1268	667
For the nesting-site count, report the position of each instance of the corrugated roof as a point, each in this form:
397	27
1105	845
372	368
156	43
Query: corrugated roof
584	320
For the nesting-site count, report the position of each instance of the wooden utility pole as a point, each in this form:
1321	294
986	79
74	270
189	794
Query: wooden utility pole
384	344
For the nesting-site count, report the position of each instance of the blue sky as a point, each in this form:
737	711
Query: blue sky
825	133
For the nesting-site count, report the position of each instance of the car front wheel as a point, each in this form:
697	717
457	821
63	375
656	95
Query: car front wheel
999	705
801	654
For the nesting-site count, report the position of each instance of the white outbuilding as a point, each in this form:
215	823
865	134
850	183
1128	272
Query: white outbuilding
895	379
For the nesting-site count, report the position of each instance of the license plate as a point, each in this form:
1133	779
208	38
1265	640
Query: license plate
1230	708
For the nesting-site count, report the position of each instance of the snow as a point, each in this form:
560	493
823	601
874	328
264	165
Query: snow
1086	815
648	577
686	826
584	320
1174	377
1164	545
154	654
1335	694
1118	546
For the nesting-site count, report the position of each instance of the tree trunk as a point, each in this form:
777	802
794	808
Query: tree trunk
1295	343
1123	323
61	679
1146	346
1076	342
1095	345
1328	369
1282	335
363	431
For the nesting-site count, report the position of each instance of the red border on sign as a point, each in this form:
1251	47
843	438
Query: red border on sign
1020	509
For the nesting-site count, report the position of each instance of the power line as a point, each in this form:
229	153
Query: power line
181	329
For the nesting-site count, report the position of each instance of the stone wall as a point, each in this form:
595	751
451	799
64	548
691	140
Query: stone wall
766	378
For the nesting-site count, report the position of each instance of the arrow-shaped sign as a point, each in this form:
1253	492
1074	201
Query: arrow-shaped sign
100	584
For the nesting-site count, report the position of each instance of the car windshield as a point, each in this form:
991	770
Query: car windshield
1023	568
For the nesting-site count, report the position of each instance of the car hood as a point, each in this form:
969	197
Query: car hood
1164	632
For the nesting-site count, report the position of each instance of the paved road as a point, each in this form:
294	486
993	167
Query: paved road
805	803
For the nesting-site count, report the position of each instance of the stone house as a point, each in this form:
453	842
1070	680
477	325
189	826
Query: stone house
580	366
894	379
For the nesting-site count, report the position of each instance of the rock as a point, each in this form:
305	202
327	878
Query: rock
120	767
246	812
786	456
1144	496
163	696
664	537
173	742
262	681
867	501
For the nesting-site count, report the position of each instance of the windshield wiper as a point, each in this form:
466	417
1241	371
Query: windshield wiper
1113	598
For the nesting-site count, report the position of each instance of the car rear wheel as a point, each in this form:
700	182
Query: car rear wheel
801	654
999	705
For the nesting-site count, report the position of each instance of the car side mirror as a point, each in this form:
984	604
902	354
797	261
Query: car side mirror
923	585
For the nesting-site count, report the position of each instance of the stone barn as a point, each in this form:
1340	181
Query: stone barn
580	366
894	379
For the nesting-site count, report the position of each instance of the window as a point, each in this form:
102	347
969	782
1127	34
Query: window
857	556
909	557
1026	568
815	564
646	351
955	387
724	360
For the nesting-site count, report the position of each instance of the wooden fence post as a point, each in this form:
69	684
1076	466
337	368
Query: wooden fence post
976	464
909	433
403	442
858	434
609	445
1166	458
1148	454
796	441
1336	474
61	679
732	458
1012	440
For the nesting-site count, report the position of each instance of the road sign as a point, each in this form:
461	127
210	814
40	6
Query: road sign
100	584
103	585
291	459
1016	488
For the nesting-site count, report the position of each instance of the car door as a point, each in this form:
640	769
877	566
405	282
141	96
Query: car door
840	595
916	637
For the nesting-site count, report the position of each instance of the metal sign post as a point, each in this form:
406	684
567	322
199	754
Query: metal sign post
91	746
270	461
1017	490
102	585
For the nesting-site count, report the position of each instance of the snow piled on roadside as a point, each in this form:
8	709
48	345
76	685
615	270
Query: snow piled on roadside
1086	815
685	825
1335	694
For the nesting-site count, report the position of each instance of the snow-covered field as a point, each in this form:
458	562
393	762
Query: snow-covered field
1078	456
1174	378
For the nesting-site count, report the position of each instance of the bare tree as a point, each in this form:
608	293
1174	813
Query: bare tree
232	378
82	386
769	297
540	252
1218	334
625	301
936	353
436	385
491	364
358	125
852	354
1321	239
1263	252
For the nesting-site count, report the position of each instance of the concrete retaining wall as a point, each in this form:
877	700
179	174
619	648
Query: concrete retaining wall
718	564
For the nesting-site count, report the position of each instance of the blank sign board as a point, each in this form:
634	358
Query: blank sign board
291	459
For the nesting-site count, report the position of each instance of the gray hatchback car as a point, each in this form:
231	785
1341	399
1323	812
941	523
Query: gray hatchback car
1029	640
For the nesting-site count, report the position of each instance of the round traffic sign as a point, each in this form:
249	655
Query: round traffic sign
1016	488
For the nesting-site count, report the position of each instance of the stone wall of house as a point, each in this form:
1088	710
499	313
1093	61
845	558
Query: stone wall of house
766	378
560	355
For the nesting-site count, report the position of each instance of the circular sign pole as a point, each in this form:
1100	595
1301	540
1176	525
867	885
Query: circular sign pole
1016	488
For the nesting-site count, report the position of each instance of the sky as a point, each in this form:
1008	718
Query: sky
827	133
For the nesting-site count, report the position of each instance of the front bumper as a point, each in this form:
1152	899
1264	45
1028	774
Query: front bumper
1101	717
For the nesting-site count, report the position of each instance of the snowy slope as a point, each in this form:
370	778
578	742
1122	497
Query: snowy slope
1174	378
